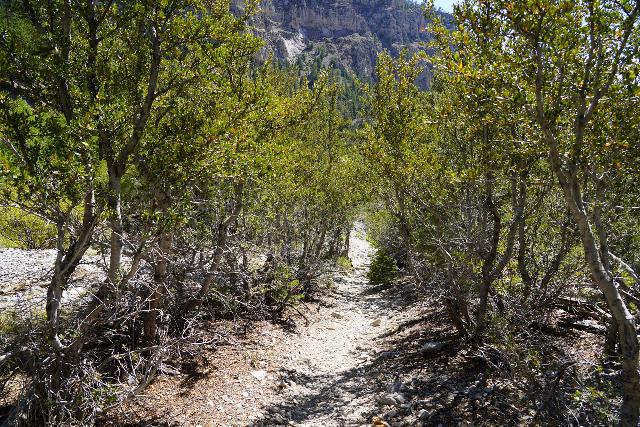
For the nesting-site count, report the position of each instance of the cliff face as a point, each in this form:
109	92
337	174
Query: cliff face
348	34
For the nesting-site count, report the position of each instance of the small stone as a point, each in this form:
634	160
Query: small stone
432	347
386	400
376	322
259	375
131	380
337	315
278	418
391	399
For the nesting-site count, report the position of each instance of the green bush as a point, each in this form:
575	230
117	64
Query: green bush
21	230
383	269
344	263
283	291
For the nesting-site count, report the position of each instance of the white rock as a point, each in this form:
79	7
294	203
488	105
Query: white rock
259	375
423	414
432	347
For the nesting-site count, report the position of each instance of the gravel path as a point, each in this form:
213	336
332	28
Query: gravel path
24	276
323	369
338	370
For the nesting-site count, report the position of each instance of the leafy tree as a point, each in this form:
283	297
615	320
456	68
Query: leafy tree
559	63
394	138
95	94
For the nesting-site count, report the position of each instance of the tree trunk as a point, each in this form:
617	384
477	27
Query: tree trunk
66	262
405	232
523	270
611	339
115	254
156	297
321	238
54	297
335	242
629	346
221	243
489	259
305	238
347	244
493	263
286	247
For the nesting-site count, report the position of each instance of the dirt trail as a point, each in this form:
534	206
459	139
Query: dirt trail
323	368
331	372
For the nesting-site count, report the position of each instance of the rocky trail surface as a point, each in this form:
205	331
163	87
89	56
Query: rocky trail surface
338	368
25	274
324	367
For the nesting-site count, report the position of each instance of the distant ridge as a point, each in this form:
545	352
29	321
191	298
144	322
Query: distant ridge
347	34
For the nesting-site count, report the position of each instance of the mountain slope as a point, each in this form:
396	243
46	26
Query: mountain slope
347	34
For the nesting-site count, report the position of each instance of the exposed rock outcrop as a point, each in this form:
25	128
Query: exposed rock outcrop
348	34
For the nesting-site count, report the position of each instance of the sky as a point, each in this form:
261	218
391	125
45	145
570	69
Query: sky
445	4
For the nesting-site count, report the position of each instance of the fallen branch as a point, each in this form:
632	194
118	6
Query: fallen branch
582	326
13	354
582	308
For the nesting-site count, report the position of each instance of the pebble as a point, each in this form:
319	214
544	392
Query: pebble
423	415
432	347
391	399
259	375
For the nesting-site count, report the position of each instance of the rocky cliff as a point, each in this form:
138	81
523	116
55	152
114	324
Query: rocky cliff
347	34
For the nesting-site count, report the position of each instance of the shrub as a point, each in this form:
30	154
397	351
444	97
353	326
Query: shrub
383	269
25	231
283	291
344	263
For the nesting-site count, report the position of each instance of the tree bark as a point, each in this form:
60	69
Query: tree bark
156	297
66	262
489	259
347	243
629	345
116	245
321	239
493	263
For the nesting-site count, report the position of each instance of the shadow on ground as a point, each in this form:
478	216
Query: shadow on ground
427	382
